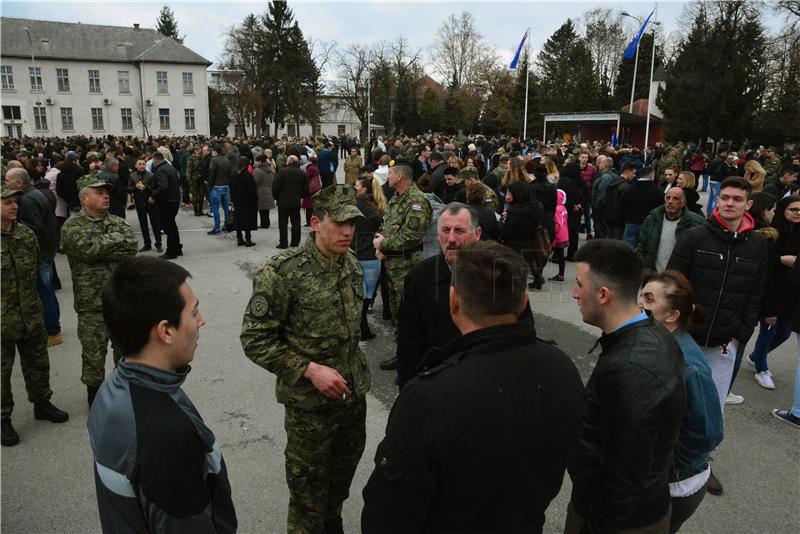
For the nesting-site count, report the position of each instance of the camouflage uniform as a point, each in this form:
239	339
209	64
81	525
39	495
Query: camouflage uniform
306	308
23	319
194	176
773	165
280	159
94	246
407	219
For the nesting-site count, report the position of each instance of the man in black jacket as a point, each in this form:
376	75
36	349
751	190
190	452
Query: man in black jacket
118	192
782	184
289	187
479	440
166	193
637	202
66	186
636	401
424	321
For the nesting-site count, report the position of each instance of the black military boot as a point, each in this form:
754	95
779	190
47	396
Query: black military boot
366	333
9	436
91	393
46	411
389	364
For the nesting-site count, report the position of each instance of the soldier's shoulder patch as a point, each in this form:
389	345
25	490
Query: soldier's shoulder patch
259	306
416	207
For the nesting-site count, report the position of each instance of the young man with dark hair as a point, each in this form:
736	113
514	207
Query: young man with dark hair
636	401
637	202
617	185
158	467
478	441
165	192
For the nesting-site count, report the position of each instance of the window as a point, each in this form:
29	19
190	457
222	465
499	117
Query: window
94	83
189	114
124	81
7	76
290	130
66	119
97	118
127	118
188	83
63	80
39	118
341	129
161	82
36	78
163	118
12	113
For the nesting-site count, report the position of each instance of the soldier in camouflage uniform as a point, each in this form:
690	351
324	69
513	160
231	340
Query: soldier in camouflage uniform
773	163
280	159
399	240
94	242
303	324
23	320
194	176
490	199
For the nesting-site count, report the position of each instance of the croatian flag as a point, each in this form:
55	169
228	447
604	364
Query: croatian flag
630	52
519	51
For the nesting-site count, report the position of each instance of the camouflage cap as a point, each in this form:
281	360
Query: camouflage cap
91	180
7	192
338	201
772	149
469	172
92	156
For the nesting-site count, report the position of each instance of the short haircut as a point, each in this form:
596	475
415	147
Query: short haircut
405	170
141	292
19	174
261	158
157	156
739	183
629	166
491	280
110	162
613	264
646	172
476	194
454	208
292	160
451	171
678	291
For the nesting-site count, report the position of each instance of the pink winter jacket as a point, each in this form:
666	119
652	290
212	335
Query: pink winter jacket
560	220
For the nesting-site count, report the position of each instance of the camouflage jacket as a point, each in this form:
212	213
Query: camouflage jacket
22	309
305	308
772	166
193	167
406	222
94	247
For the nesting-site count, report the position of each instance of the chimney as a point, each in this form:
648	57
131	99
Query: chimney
136	26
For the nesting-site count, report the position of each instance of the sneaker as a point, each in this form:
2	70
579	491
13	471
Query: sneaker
55	339
214	231
557	278
734	399
787	416
764	380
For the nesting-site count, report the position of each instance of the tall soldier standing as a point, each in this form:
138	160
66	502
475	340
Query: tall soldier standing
94	241
303	324
23	320
195	178
399	241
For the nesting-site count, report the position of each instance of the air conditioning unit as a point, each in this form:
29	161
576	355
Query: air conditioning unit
148	102
49	101
106	101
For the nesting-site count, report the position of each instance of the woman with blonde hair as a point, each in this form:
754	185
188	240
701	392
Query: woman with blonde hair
687	181
372	203
516	173
456	162
552	170
755	174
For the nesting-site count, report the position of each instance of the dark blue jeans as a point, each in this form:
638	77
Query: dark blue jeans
769	339
47	294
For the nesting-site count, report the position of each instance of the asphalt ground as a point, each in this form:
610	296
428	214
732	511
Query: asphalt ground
47	480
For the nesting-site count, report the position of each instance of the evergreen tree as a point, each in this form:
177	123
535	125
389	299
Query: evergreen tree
451	121
534	116
217	113
624	79
565	70
430	110
167	25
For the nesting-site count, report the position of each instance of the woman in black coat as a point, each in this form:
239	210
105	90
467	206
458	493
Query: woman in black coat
520	222
245	202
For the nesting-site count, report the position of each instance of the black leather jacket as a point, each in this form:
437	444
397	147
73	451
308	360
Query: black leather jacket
635	402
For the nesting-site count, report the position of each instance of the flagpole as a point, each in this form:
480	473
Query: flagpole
633	85
650	87
527	75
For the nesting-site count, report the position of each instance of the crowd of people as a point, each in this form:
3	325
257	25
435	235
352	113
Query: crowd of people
453	233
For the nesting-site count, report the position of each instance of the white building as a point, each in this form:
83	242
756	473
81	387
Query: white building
62	79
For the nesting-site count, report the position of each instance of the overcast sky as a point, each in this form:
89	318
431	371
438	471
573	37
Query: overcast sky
204	23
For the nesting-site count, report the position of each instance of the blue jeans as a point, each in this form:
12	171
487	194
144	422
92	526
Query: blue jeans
631	234
769	339
705	178
47	294
712	197
372	271
796	403
220	194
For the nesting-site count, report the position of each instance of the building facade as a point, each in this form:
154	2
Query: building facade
62	79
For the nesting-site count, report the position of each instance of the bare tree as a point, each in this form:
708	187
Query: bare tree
242	98
458	50
143	116
353	64
606	40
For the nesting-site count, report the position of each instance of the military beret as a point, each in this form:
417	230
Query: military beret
338	202
469	172
7	192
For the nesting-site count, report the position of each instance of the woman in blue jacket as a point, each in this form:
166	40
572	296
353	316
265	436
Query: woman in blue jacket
667	296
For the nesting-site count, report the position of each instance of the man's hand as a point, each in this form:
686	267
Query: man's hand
151	201
376	241
379	255
327	380
788	261
140	185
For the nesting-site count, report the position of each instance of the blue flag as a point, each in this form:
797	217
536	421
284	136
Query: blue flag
630	52
519	51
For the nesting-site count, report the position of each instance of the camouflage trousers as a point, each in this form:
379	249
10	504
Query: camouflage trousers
198	191
93	335
396	271
323	448
35	363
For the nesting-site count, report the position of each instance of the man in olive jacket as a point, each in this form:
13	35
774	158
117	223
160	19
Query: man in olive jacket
663	227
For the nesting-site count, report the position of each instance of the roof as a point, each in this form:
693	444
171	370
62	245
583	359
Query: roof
91	42
598	116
